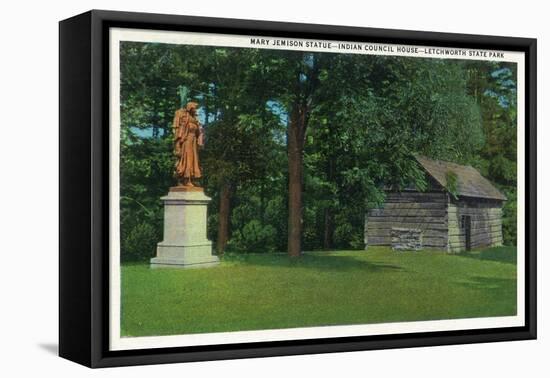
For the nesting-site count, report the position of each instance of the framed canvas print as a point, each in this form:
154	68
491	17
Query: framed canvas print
234	188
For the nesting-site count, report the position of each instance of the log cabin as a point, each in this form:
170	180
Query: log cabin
467	217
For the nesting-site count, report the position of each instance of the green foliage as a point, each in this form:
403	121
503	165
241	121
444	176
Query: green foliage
254	237
258	221
509	217
139	241
368	117
493	85
366	130
145	175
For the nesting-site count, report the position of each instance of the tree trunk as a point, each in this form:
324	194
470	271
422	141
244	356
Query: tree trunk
223	222
296	133
327	215
327	230
262	203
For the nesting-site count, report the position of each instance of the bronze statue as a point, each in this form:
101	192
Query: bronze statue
188	137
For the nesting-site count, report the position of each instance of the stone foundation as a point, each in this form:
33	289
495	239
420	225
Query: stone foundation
406	239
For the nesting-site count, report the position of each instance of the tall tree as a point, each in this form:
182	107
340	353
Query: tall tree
304	84
494	85
240	139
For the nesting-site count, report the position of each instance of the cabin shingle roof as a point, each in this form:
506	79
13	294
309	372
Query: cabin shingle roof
470	183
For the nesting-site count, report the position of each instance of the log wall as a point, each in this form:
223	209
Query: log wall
486	223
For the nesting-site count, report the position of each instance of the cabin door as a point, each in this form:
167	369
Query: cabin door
468	231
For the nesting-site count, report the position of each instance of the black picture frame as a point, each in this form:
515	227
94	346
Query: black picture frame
84	195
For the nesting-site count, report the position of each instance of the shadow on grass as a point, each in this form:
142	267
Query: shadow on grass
502	254
489	283
313	260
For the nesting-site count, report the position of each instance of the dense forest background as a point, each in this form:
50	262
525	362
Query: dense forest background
299	133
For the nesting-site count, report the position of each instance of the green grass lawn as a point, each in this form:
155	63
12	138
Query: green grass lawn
267	291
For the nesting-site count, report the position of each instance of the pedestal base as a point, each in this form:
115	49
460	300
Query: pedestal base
177	264
185	244
179	256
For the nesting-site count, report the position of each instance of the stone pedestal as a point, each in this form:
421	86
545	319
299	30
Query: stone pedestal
185	244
